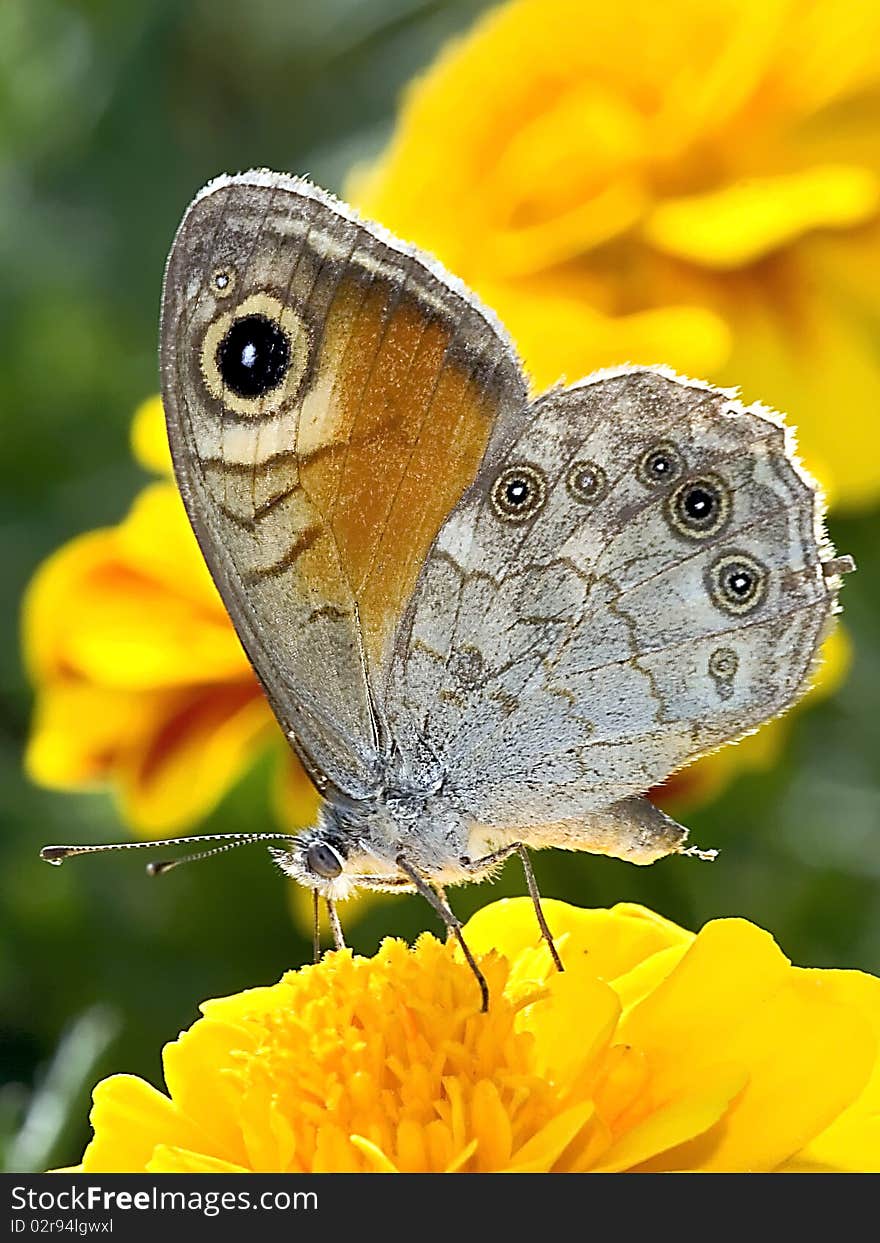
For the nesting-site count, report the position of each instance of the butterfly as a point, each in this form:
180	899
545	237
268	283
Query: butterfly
484	620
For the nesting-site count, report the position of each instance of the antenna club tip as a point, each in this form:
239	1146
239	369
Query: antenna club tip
54	855
158	866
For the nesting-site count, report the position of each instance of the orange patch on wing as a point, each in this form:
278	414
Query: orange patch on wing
413	425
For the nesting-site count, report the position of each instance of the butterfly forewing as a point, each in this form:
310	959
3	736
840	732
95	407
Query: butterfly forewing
329	395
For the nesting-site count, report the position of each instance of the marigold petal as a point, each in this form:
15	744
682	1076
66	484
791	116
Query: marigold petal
615	940
149	436
155	539
129	631
852	1147
172	755
574	1023
130	1118
819	359
694	339
171	1160
335	1153
540	1153
56	587
198	1069
81	732
641	980
192	759
740	223
132	606
852	1142
734	1000
246	1008
268	1148
375	1156
674	1122
457	1164
492	1129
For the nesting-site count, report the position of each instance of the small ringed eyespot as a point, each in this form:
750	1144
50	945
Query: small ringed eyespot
254	356
737	583
323	860
518	493
586	482
723	663
661	464
223	282
699	508
722	666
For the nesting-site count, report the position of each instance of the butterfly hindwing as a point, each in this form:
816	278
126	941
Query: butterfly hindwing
642	579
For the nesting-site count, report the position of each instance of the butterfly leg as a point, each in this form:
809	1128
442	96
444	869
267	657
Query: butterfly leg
333	916
316	928
441	894
450	920
536	903
498	856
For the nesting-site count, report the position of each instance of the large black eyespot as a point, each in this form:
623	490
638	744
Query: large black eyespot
518	493
699	508
323	860
254	356
586	482
661	464
737	583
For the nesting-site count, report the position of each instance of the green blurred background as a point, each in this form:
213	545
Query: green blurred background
111	116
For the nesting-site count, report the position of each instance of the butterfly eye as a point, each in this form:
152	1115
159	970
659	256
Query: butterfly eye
518	493
699	508
586	482
324	861
737	583
254	356
661	464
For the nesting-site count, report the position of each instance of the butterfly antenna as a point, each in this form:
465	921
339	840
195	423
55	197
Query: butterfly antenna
57	854
159	866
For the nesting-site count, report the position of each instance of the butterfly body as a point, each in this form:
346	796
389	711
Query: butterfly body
482	619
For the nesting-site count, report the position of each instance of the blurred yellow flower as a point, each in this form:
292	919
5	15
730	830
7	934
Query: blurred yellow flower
687	183
140	679
657	1050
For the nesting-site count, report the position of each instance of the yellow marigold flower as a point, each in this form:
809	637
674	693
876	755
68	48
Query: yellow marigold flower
689	183
140	679
656	1050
